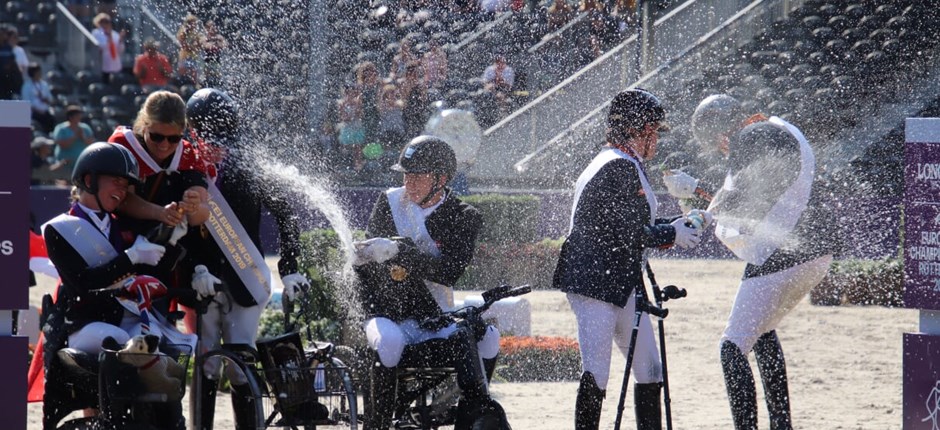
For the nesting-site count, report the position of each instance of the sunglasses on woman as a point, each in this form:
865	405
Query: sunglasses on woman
157	138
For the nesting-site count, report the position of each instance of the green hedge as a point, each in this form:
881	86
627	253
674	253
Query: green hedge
507	218
862	282
512	263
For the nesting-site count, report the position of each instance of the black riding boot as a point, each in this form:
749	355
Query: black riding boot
476	409
209	388
646	404
243	404
739	381
773	373
489	366
587	409
382	389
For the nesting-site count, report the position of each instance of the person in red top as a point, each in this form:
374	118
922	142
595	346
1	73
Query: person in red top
152	68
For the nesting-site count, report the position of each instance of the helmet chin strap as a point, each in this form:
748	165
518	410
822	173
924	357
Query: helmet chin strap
434	190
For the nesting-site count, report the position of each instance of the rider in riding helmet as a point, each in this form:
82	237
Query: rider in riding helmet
93	250
614	220
233	317
422	239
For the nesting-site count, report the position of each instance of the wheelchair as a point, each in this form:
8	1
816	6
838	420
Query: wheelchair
426	390
102	381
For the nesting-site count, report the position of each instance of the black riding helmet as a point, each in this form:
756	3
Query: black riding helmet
213	115
102	158
428	154
634	108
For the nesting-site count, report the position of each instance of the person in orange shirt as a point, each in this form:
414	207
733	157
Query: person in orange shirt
152	68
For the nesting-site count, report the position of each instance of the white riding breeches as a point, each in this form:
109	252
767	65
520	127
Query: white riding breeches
599	325
763	301
228	322
89	337
389	338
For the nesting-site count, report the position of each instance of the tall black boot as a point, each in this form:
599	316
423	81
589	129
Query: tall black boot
476	409
489	366
243	404
209	389
773	374
646	403
382	390
587	409
739	381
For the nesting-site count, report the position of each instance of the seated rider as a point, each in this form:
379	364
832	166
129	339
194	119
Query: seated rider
408	279
95	250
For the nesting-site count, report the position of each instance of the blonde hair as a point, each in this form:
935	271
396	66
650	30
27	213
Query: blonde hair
100	17
163	107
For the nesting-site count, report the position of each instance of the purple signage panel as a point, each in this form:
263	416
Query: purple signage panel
922	214
921	382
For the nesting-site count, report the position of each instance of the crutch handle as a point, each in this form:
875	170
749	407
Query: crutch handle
672	292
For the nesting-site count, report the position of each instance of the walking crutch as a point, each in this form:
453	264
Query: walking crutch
670	292
643	305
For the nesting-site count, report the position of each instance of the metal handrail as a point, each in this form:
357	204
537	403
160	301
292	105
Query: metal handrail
75	22
156	22
479	33
557	33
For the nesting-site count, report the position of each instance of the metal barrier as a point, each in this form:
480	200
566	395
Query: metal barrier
77	48
571	108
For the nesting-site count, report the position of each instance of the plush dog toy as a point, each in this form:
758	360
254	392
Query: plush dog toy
158	372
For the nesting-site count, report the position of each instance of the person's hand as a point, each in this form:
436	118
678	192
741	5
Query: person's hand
191	201
179	231
680	184
144	252
204	282
294	285
172	214
686	237
699	218
377	250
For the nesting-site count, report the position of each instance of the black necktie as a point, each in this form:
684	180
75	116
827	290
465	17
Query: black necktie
101	215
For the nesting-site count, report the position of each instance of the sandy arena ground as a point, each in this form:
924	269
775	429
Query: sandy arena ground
844	363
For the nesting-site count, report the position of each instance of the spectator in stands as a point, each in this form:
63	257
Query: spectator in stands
11	80
22	61
214	46
558	14
493	6
605	32
71	136
111	44
367	76
81	9
45	170
435	64
415	95
390	118
624	12
591	6
499	76
401	59
152	68
36	91
352	133
192	45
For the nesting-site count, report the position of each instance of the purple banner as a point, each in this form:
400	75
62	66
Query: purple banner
14	198
922	214
921	382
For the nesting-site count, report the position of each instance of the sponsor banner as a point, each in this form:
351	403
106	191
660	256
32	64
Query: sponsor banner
922	214
921	389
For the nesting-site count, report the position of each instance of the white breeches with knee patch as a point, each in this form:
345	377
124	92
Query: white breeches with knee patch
389	338
763	301
599	325
228	322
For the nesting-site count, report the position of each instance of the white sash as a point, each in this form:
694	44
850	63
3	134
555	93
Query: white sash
409	222
774	230
604	157
85	238
239	250
144	156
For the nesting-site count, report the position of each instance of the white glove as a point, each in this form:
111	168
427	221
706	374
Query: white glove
680	184
294	284
699	218
204	282
179	231
144	252
686	237
379	250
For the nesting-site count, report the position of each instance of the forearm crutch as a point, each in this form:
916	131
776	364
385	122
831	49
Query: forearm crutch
670	292
642	305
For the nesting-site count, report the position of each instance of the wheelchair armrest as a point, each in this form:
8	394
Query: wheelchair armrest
79	362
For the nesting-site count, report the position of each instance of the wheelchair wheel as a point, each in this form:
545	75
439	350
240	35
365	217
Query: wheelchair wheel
335	388
87	423
256	392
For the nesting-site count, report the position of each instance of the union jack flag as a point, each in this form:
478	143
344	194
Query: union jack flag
143	289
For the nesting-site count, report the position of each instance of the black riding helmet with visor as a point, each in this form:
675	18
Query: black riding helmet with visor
102	158
428	155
